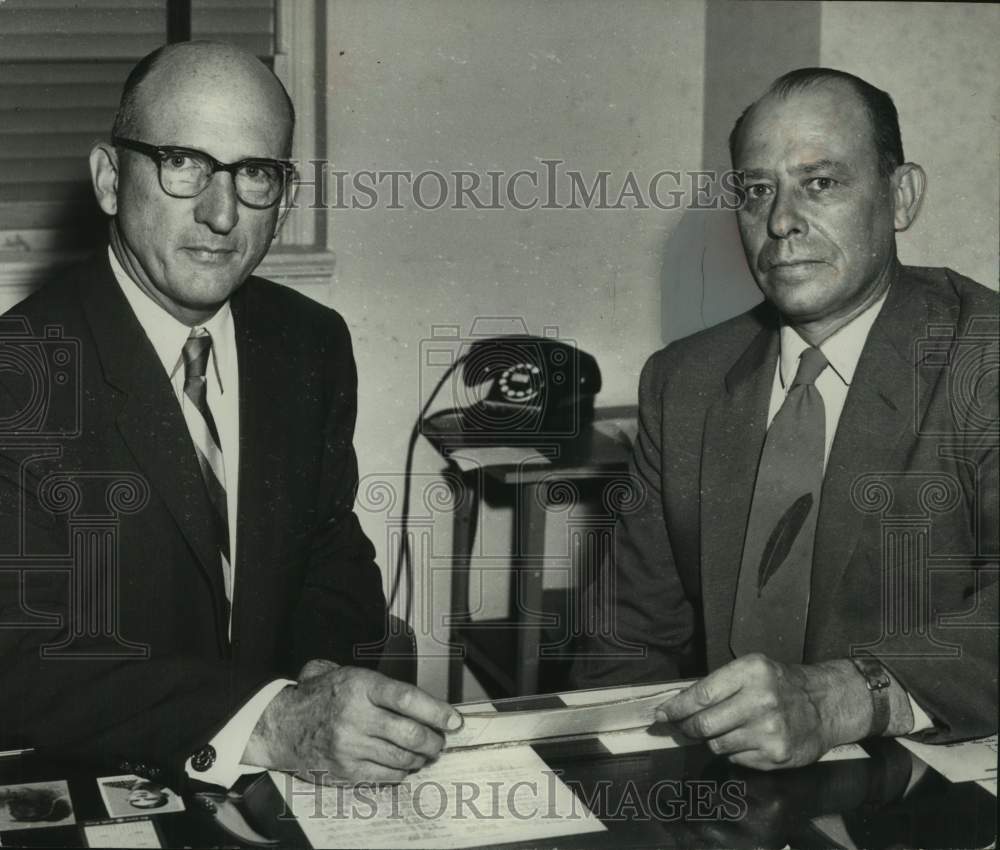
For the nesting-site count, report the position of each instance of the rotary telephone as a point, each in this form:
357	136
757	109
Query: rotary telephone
541	390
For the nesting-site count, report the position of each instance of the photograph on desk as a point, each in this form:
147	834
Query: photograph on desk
574	423
35	805
128	796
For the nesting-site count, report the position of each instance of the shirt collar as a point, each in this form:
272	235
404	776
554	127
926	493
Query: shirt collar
841	349
167	334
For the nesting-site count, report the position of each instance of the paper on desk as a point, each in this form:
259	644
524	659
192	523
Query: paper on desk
663	737
483	456
963	761
12	753
506	727
844	752
622	429
989	784
132	834
464	799
657	737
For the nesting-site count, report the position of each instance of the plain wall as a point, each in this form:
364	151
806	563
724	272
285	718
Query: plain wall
939	62
500	86
640	85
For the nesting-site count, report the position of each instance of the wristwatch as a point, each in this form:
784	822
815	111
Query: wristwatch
877	681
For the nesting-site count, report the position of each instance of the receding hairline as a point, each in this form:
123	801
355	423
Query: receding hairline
878	106
146	73
778	96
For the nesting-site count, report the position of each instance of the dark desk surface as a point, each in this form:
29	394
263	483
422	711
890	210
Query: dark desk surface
683	797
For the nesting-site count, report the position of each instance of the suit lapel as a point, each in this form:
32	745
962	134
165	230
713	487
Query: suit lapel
262	382
880	412
734	435
150	419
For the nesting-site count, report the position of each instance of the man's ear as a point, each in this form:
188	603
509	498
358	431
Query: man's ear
104	176
908	183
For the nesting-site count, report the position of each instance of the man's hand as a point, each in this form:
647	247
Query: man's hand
346	724
767	715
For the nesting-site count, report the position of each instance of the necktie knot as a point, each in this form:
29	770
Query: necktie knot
195	352
811	364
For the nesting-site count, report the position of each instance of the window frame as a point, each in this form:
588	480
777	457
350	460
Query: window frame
300	257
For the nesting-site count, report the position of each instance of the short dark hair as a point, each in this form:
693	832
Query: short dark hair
127	117
878	104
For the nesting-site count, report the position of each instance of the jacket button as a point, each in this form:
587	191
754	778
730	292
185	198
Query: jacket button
204	758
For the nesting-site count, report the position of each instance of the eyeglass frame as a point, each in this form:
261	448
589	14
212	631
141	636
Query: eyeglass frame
157	153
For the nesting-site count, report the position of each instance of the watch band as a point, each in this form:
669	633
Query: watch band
877	681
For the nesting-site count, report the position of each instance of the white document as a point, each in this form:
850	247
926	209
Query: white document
844	752
483	456
640	740
489	728
989	784
964	761
11	753
135	833
466	798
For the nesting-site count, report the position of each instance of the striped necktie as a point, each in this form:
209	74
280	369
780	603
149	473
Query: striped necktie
772	597
207	445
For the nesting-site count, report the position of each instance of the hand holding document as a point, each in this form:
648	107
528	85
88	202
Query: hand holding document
487	787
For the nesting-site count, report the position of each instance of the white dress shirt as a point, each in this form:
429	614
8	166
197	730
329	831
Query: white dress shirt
843	351
168	336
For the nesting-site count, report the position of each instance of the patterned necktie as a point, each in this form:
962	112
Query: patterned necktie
772	597
200	423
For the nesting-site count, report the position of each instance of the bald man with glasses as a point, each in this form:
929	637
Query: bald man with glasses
237	588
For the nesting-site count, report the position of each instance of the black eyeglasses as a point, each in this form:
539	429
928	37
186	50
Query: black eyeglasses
185	172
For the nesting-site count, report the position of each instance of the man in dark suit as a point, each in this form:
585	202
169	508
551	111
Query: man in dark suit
186	590
819	530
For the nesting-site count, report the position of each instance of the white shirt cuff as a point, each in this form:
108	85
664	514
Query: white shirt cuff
232	739
921	720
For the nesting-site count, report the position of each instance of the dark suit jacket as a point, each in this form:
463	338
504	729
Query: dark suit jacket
306	583
911	483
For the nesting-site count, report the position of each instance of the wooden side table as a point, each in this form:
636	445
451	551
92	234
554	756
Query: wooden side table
543	479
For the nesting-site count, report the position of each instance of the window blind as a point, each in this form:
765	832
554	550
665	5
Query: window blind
62	67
